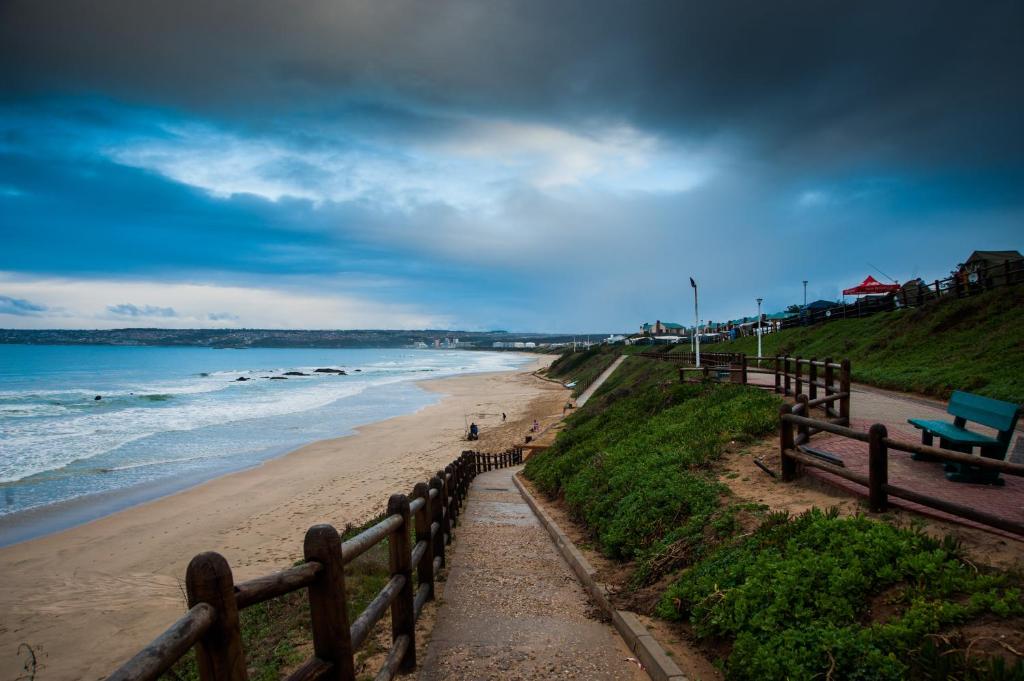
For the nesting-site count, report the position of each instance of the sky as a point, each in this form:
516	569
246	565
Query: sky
530	165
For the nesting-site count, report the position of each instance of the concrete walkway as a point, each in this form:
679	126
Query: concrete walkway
582	399
512	609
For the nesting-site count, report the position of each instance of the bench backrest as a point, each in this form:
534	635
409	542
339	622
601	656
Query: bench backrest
984	410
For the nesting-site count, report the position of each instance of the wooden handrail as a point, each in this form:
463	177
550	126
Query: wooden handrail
877	480
959	457
160	655
212	620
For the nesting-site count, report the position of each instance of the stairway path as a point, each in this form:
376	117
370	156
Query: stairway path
512	608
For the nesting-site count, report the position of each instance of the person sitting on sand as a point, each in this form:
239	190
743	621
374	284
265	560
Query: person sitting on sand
474	432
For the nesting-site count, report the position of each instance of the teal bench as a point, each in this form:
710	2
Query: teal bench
964	407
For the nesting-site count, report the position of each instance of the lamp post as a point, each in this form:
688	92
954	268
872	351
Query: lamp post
759	300
805	293
696	321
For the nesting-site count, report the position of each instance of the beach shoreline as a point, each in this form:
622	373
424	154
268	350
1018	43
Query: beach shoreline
87	597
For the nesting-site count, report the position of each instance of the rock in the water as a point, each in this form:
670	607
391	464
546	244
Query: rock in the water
98	398
295	373
278	378
242	378
358	369
340	372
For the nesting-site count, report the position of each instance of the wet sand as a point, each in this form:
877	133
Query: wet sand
87	598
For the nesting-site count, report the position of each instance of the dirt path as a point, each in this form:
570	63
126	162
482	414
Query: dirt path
512	608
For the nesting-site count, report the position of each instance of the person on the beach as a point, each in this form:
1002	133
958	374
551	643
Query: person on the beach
535	427
474	432
503	417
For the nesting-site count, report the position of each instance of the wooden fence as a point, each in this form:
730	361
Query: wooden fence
959	285
214	600
796	429
827	382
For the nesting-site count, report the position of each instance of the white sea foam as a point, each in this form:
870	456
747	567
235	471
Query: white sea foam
48	430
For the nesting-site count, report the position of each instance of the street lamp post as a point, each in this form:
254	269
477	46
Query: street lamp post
759	334
805	293
696	321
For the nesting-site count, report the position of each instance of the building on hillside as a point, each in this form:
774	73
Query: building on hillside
660	328
992	268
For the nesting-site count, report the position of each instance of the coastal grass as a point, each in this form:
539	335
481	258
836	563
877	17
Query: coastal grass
636	464
769	596
583	366
974	344
850	598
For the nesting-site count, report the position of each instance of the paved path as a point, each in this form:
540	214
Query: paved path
582	399
870	405
512	609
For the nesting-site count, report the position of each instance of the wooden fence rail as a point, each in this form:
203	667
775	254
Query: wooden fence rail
792	376
211	623
796	429
960	285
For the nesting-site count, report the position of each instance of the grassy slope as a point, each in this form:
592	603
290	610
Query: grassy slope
793	599
974	344
582	366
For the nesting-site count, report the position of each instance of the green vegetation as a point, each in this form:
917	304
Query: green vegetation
771	597
793	599
974	344
636	464
582	367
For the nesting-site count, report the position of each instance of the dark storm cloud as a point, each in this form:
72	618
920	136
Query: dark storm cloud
808	82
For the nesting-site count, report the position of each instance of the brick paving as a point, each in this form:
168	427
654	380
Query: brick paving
921	476
870	405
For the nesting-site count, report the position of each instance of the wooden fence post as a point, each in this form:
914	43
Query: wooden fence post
743	367
878	468
844	387
786	464
799	381
803	431
327	604
786	374
437	516
219	654
778	378
425	569
403	616
451	505
812	380
829	386
446	523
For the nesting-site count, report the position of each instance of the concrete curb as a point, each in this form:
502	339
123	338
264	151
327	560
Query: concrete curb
657	663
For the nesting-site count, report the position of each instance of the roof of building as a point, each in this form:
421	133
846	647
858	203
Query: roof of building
995	256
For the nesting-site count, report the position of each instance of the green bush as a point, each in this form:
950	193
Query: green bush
638	468
793	598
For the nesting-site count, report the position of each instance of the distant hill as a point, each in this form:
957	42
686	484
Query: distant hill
272	338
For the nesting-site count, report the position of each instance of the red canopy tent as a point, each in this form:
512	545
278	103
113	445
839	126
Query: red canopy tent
870	286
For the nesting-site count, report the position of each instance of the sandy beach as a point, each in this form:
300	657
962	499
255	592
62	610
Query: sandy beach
86	598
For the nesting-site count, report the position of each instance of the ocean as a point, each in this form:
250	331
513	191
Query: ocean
171	417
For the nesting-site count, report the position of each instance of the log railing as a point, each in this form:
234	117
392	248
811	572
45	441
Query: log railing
826	382
211	623
796	429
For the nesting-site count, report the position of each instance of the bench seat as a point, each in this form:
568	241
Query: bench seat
948	431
